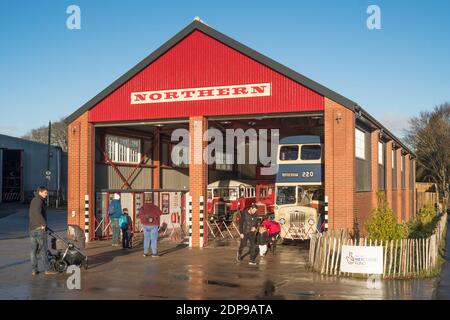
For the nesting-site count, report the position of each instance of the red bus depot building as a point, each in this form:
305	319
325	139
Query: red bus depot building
120	140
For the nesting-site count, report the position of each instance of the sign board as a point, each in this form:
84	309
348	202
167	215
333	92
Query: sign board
362	259
205	93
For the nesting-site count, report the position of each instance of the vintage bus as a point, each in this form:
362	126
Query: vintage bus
299	186
228	198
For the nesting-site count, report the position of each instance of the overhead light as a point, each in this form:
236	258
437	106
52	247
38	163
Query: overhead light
159	125
225	122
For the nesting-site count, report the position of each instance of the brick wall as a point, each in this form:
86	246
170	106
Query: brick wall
339	133
80	170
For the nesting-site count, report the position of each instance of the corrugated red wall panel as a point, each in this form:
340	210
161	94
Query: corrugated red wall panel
201	61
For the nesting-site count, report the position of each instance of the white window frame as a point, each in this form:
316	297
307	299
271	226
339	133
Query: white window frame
393	159
380	153
119	149
360	144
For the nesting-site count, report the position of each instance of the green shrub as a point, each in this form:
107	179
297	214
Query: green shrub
424	223
383	224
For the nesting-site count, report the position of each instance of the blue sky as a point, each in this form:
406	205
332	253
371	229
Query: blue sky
47	71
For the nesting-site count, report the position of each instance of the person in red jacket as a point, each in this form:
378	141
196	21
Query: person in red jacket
273	229
149	215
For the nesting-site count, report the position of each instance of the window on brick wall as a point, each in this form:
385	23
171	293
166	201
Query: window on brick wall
363	159
123	149
381	166
394	169
402	168
360	142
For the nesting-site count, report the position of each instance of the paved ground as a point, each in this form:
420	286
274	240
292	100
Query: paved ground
443	290
181	273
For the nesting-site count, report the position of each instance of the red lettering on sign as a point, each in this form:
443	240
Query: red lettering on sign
171	95
155	96
188	93
139	97
205	93
259	89
223	91
240	90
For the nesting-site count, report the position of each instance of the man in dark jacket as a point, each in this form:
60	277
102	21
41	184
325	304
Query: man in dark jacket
38	234
247	229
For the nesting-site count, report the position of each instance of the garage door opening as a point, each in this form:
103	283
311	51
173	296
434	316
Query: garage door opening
135	160
235	185
12	175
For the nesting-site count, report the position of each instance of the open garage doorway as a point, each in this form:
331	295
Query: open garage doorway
135	160
11	175
234	187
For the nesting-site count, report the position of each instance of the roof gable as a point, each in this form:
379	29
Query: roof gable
197	28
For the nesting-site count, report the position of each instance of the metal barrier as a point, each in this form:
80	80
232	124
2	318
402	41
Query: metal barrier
222	231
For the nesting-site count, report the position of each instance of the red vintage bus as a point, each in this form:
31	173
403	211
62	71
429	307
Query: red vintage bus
226	198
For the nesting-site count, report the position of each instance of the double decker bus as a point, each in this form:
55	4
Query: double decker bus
299	186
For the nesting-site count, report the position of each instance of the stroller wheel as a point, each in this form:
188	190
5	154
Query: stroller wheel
60	266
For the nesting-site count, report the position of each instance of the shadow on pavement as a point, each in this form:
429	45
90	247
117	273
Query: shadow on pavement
106	257
174	249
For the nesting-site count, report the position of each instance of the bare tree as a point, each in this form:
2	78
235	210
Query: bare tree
429	136
58	138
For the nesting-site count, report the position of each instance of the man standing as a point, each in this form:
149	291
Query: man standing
114	213
247	229
38	233
149	214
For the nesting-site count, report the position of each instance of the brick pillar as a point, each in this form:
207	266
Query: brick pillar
198	172
339	140
80	137
389	172
375	137
156	159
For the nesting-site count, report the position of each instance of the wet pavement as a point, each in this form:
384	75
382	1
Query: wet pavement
180	273
443	289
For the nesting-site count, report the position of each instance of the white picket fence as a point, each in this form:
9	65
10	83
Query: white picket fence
406	258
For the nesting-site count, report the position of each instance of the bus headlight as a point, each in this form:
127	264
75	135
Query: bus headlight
282	221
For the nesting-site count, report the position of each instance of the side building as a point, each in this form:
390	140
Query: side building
23	168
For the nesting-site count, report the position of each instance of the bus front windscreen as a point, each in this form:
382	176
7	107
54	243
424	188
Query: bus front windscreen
285	195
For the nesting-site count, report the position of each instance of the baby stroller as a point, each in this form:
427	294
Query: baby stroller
68	254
